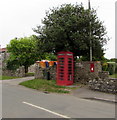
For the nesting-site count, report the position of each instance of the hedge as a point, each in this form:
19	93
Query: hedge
110	66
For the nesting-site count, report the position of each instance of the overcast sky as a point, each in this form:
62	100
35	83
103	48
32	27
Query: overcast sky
18	17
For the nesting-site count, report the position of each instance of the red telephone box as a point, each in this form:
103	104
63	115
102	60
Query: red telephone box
65	68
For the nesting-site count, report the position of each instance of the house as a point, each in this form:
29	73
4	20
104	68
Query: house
3	56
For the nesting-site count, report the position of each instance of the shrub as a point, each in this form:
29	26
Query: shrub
116	68
111	69
105	67
110	66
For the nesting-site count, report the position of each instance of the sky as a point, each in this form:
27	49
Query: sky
18	17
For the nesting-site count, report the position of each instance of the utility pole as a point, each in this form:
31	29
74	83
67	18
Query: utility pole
90	30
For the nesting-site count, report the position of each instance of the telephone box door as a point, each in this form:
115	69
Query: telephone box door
65	70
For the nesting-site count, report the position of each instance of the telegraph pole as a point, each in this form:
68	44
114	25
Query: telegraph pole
90	30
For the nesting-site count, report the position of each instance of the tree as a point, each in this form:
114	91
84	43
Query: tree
113	60
67	28
22	52
49	56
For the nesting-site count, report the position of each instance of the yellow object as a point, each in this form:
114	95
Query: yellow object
51	63
42	64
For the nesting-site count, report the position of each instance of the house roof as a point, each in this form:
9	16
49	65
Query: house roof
3	49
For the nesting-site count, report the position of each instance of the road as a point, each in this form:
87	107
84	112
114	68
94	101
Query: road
22	102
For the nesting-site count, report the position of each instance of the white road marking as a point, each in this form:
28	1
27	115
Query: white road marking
104	99
46	110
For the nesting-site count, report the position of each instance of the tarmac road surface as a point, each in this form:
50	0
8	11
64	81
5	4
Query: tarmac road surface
22	102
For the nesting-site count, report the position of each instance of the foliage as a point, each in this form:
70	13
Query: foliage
47	56
105	66
66	28
50	56
113	76
111	69
29	74
110	66
46	85
116	68
22	52
12	62
113	60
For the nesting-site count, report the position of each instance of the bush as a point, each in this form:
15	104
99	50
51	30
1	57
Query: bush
116	68
111	69
110	66
105	67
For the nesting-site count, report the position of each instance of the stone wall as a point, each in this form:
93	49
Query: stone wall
4	57
45	73
31	69
97	80
104	84
20	72
83	73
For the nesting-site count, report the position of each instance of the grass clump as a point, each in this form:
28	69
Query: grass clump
46	85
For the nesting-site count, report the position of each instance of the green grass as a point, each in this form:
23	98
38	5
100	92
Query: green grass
113	76
29	74
46	85
7	77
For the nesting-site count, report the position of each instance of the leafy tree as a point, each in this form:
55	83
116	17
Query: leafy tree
22	52
113	60
67	28
50	56
46	56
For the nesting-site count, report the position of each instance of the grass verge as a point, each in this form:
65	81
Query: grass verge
7	77
29	74
113	76
46	85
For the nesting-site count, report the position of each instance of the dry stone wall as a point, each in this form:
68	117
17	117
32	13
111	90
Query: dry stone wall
83	73
4	56
45	73
20	72
105	85
97	80
31	69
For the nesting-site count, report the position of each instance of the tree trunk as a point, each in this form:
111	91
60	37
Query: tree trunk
26	69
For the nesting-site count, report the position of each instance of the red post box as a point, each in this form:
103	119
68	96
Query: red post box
65	68
92	67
